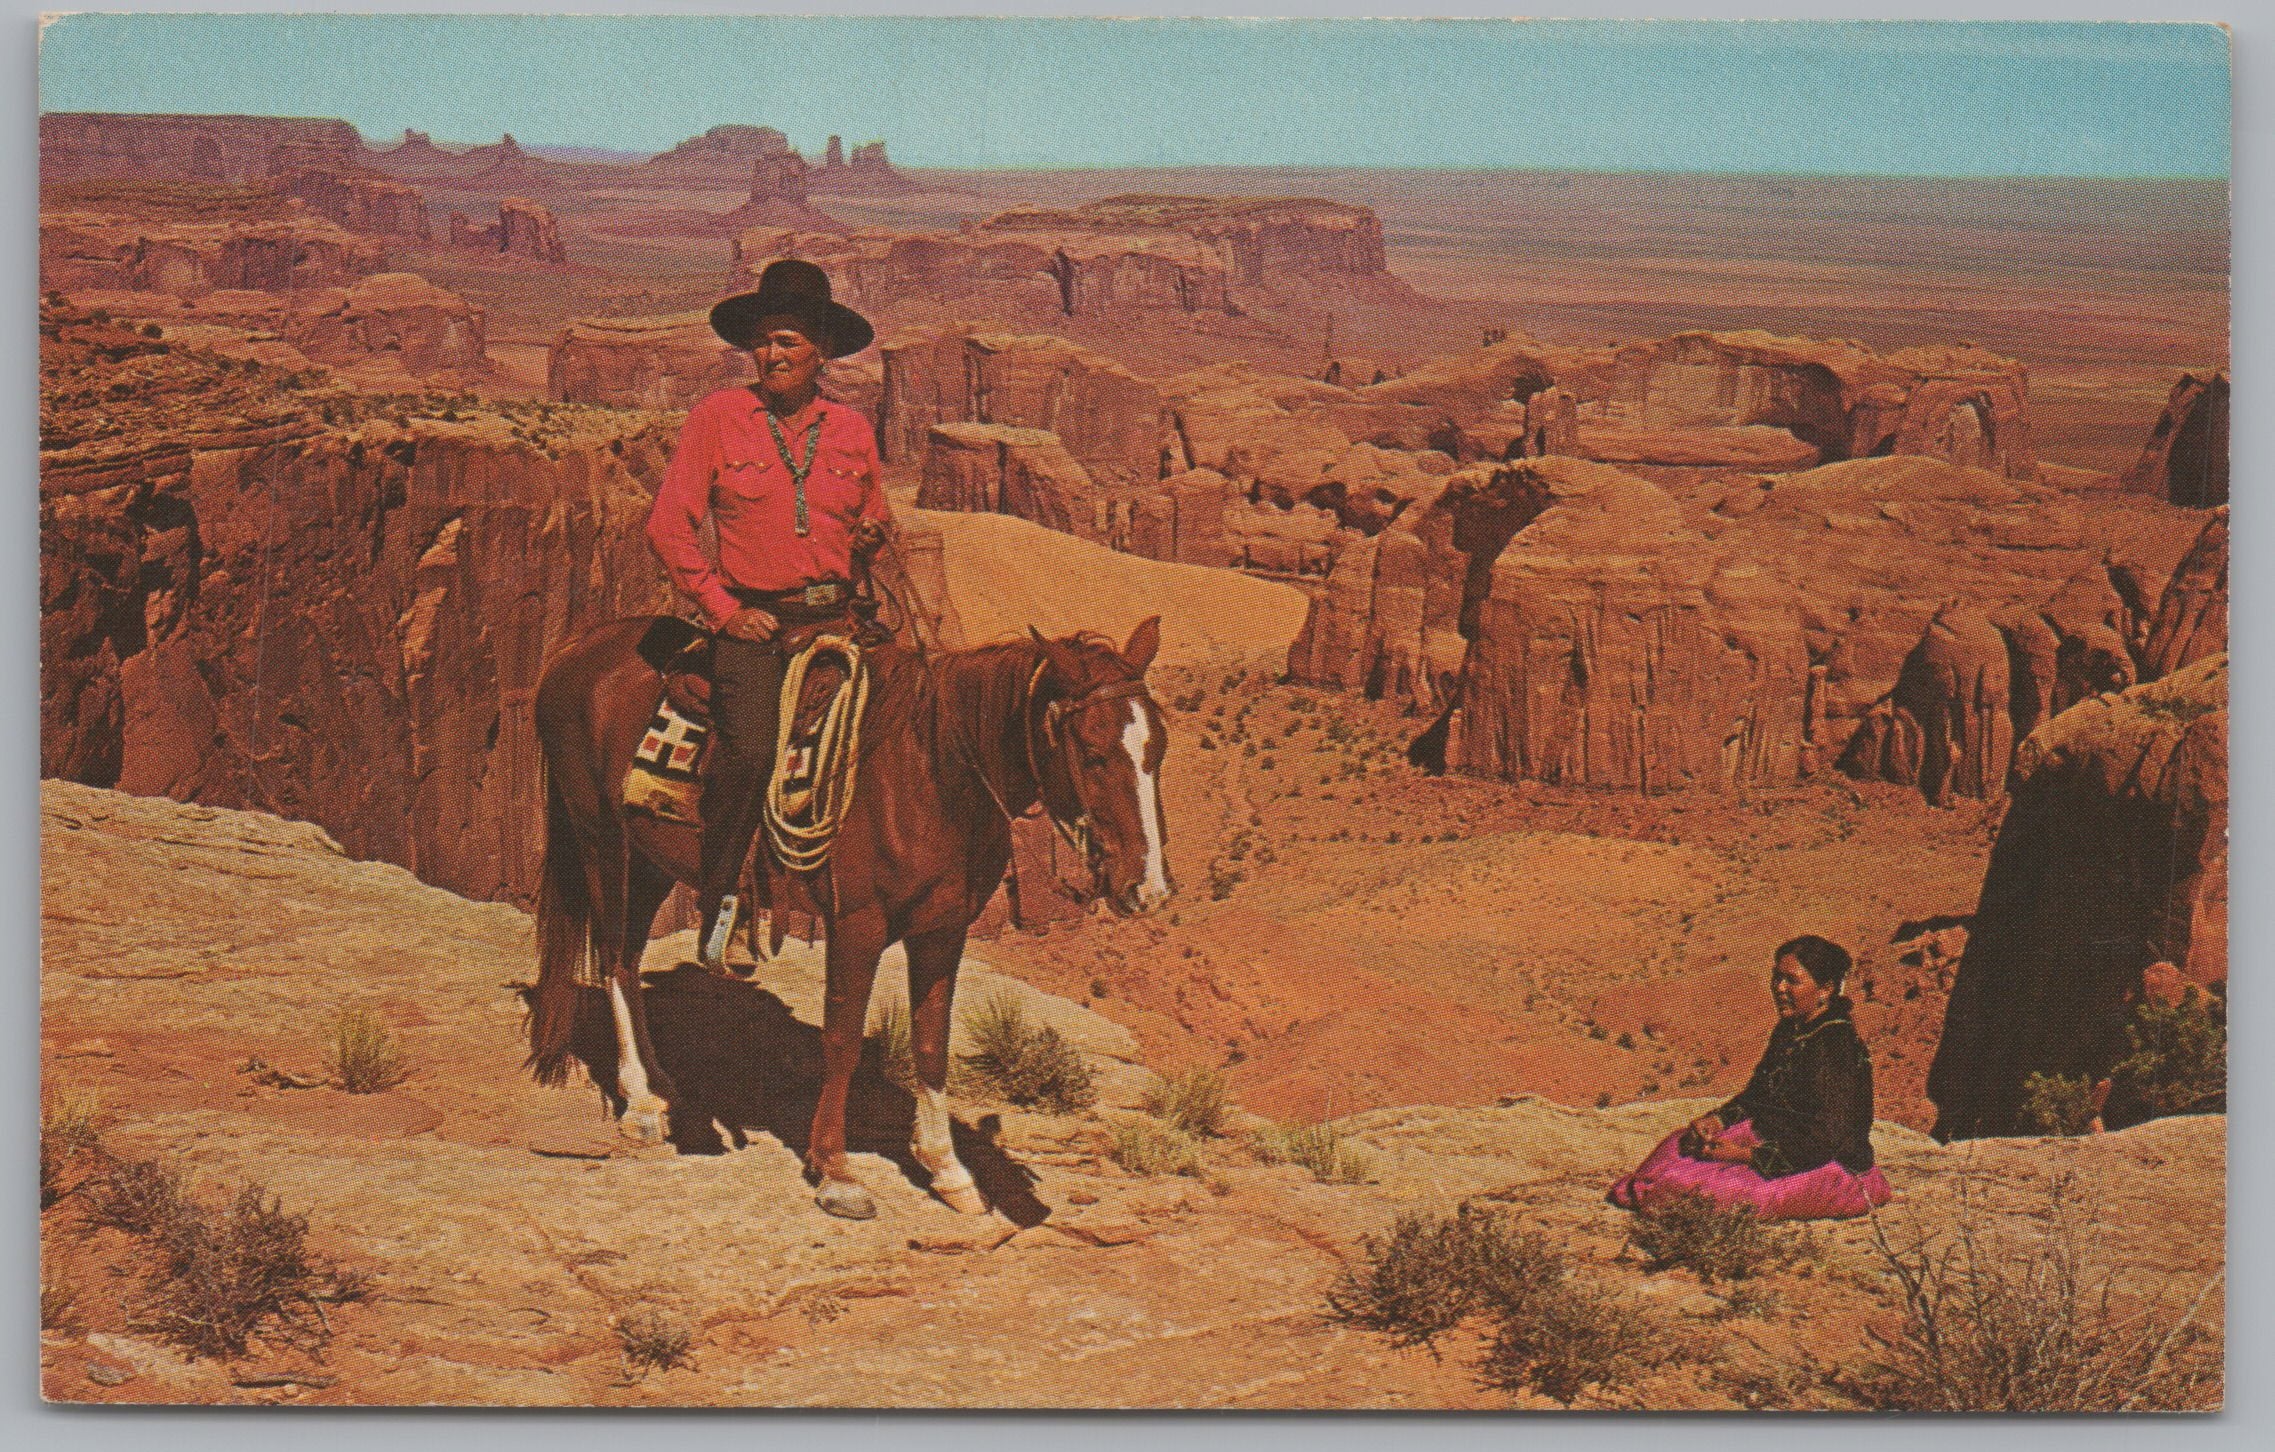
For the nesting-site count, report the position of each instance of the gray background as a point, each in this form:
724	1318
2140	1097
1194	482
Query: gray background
25	1422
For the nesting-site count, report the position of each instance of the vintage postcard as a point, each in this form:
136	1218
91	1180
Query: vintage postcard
1158	714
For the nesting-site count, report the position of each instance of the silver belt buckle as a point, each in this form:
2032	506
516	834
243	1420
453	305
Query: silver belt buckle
817	596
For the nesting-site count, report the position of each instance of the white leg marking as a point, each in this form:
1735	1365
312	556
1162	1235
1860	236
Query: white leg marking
1136	736
631	1074
935	1149
932	1133
643	1111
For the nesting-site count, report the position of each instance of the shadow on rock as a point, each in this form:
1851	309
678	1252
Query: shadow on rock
743	1062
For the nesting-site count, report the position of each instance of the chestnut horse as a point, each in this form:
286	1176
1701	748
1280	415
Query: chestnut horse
952	748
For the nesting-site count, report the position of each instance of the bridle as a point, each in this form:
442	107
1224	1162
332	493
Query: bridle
1076	832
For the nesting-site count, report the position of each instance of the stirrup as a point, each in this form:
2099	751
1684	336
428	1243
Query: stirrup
714	951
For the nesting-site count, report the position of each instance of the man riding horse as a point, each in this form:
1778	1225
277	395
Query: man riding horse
789	483
956	746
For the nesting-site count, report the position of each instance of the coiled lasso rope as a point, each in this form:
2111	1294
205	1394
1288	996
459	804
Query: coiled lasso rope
801	824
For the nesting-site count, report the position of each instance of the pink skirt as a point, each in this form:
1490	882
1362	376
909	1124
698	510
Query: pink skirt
1831	1191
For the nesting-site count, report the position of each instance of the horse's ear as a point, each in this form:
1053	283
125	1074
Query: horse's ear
1066	663
1144	644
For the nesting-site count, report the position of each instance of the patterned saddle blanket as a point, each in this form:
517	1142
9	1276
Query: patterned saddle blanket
666	779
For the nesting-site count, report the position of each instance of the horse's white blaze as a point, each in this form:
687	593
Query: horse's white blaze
631	1074
1135	738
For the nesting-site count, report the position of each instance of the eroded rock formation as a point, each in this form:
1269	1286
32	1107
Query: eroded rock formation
2192	619
82	251
656	363
2112	857
868	172
524	229
1106	416
340	622
425	328
230	150
979	468
362	202
1178	255
2186	457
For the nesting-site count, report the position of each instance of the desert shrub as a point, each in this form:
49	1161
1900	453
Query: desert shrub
58	1307
1148	1147
1025	1063
893	1051
2024	1321
2055	1104
70	1133
365	1059
221	1275
140	1197
1714	1242
1546	1331
1319	1148
1194	1102
653	1339
2176	1061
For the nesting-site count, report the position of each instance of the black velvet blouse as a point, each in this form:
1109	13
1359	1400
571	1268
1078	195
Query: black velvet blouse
1810	1099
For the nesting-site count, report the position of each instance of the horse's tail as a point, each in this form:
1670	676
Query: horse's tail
564	941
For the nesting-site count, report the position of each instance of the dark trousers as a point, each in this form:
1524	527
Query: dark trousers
746	704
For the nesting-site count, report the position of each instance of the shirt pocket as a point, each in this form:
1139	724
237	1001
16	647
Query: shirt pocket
839	482
749	476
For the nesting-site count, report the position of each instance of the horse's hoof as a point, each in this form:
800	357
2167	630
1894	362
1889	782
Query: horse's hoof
845	1200
646	1123
964	1199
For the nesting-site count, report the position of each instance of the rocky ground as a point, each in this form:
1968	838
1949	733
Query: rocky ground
508	1232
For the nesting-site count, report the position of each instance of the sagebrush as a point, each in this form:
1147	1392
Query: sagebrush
1195	1102
889	1042
365	1059
1025	1063
224	1274
1148	1147
653	1339
2176	1062
1714	1242
2003	1319
2057	1104
1319	1148
1546	1330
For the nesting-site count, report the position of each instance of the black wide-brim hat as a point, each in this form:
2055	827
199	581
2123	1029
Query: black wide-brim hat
795	289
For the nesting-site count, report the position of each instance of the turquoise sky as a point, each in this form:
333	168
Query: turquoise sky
1915	98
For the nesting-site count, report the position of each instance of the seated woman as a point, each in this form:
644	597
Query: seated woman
1796	1144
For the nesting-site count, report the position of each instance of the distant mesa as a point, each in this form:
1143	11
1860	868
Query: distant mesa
1162	255
867	172
223	150
105	251
778	185
721	156
2186	458
524	229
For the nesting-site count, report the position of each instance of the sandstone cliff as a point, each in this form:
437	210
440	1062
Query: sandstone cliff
2186	457
1106	416
2112	856
341	618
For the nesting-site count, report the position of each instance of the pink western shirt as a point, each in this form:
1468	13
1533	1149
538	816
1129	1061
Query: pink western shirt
728	467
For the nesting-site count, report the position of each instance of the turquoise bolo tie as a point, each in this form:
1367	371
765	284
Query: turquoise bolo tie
798	471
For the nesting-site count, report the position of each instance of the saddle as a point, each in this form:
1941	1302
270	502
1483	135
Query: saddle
666	779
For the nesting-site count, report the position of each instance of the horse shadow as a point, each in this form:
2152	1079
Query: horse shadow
740	1059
